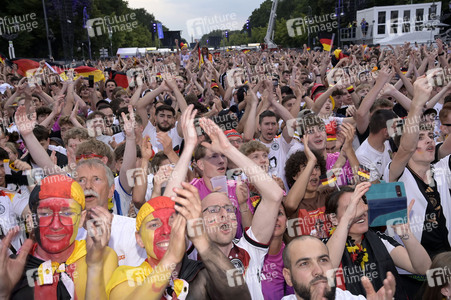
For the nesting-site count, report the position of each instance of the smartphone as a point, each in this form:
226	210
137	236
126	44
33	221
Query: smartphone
91	81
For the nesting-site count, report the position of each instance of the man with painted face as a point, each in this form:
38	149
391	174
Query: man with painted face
58	266
161	231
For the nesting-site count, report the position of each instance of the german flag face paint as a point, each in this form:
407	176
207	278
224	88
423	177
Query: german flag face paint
58	220
155	231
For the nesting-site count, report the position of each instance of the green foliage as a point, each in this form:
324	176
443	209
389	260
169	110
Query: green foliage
34	43
289	9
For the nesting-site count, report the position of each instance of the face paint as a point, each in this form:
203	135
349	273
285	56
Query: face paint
155	231
55	236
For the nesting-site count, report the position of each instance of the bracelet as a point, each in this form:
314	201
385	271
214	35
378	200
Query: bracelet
318	75
443	53
404	237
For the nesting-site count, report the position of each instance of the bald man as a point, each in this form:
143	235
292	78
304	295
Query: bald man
307	266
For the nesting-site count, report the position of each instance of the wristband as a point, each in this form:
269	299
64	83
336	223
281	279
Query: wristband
350	89
443	53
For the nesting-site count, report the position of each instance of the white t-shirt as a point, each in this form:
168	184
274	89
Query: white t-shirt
374	160
123	241
297	146
122	197
9	211
278	151
59	149
339	295
151	131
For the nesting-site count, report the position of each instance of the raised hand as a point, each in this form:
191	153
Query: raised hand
146	149
11	269
129	123
187	123
165	140
385	293
422	90
348	131
219	142
188	204
98	227
352	211
24	124
403	230
177	247
308	153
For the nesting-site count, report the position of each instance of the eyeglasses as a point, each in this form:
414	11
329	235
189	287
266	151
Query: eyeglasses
214	209
66	218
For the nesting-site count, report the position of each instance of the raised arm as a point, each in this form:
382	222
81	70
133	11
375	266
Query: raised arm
216	263
265	216
190	136
37	152
297	191
251	115
129	161
355	209
362	117
409	139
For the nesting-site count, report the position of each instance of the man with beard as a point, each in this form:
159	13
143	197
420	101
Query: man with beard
165	120
306	259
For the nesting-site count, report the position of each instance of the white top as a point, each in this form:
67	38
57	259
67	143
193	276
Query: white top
9	211
123	241
122	197
59	149
374	160
151	131
278	150
339	295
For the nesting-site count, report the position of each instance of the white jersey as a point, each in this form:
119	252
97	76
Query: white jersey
374	160
151	131
339	295
123	241
121	199
278	151
10	210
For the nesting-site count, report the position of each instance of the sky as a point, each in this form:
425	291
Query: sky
198	17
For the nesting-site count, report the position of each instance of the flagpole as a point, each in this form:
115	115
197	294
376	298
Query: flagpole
47	29
332	44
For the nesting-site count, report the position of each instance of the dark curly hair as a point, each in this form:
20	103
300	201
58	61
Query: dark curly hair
298	159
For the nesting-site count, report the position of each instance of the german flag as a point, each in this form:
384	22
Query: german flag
120	78
308	48
3	58
364	172
329	179
85	71
25	66
327	40
246	51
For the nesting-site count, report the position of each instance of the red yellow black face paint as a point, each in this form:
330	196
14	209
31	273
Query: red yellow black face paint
155	231
58	231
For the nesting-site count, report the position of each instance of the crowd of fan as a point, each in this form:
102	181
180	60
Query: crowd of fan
227	175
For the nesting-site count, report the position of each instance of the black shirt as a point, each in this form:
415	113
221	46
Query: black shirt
435	234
